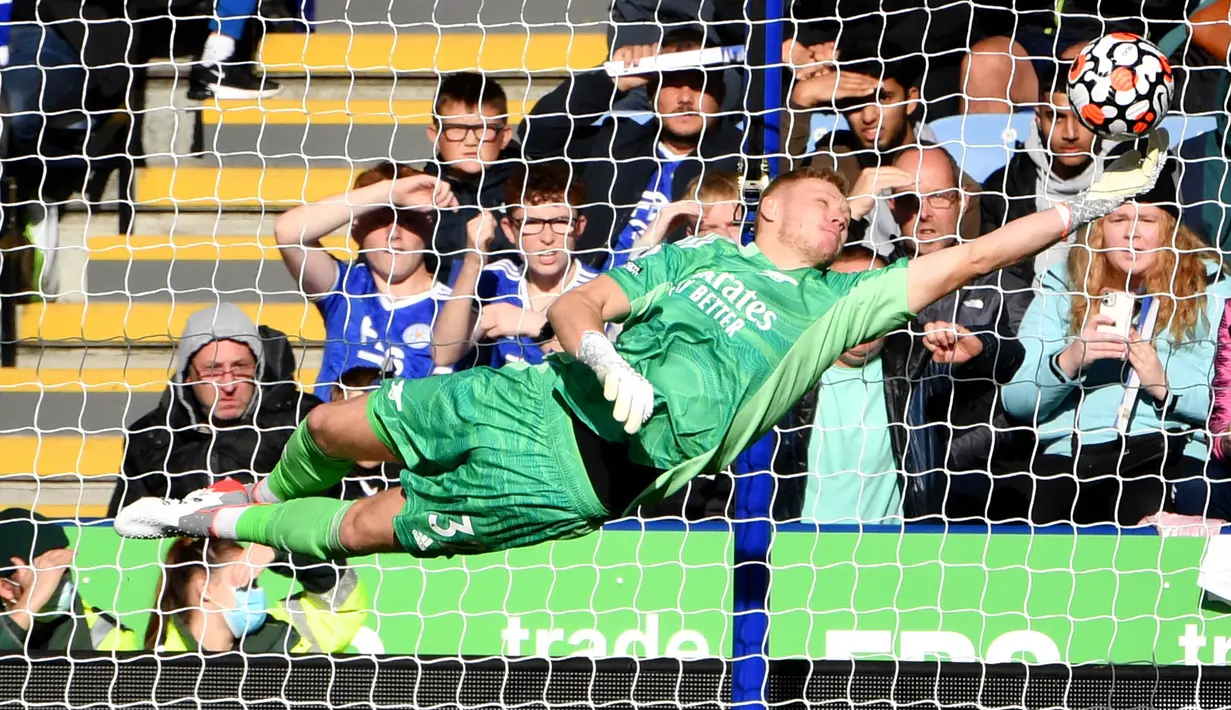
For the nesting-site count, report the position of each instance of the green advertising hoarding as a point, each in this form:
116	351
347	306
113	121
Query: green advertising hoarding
873	594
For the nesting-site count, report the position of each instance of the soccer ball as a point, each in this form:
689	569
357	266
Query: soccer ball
1120	86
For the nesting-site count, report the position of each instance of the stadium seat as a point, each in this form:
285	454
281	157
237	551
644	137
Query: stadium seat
823	124
982	143
1184	127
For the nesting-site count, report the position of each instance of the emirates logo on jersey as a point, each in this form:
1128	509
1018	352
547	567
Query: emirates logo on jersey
724	298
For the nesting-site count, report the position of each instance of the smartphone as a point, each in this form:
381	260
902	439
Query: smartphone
1119	306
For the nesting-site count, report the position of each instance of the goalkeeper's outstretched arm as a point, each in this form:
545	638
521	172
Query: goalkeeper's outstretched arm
578	319
586	308
932	276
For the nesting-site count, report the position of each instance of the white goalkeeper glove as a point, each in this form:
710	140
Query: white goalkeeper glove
1130	175
633	394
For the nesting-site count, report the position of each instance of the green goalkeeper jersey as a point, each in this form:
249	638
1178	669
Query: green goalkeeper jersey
730	343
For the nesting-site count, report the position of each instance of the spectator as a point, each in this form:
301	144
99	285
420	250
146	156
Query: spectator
631	169
712	204
933	385
379	310
1003	73
475	152
1218	493
503	305
876	88
1004	68
1199	54
857	451
226	67
70	68
970	334
940	31
1072	380
648	22
1058	160
41	607
852	456
231	407
209	599
1206	183
368	477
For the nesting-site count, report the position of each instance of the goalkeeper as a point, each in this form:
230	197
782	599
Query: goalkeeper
719	342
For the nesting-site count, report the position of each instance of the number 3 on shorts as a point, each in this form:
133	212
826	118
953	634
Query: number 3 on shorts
453	528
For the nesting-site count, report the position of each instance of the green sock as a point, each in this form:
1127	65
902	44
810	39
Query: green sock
310	526
304	469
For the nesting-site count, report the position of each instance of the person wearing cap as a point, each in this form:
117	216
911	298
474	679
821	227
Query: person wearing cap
1075	371
229	410
875	86
633	168
40	609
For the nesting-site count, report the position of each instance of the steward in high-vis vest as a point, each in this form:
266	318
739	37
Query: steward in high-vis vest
211	601
40	609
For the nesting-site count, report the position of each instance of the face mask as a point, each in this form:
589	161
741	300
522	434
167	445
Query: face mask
249	612
62	599
68	592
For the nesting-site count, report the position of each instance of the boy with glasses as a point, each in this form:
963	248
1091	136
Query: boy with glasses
471	135
502	306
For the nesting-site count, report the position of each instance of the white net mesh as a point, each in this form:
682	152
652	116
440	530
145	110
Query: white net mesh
922	475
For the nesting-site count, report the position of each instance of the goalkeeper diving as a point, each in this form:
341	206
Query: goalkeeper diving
719	342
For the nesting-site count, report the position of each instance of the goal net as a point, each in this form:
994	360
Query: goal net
986	511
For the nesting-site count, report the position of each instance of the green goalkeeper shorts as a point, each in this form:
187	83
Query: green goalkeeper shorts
491	461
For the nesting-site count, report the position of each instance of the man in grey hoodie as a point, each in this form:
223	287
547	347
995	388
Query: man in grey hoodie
231	406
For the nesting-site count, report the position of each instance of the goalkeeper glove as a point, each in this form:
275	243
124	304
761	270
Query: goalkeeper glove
633	394
1130	175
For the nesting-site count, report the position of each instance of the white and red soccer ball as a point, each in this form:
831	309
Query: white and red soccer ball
1120	86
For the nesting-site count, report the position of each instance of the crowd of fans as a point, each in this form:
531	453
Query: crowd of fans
1002	402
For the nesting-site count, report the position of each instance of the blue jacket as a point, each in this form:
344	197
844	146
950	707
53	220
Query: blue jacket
1058	407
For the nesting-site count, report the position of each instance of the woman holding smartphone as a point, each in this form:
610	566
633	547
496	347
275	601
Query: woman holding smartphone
1102	456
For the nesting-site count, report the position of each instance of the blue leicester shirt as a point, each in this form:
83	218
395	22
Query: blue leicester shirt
365	328
657	194
505	282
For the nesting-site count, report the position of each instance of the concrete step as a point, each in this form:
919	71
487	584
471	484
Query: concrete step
506	15
194	269
422	50
158	324
83	360
45	455
68	498
95	380
346	111
57	403
57	395
323	132
194	186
